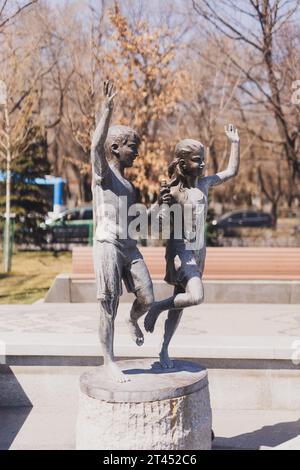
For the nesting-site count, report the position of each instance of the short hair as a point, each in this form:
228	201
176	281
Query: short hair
182	150
119	135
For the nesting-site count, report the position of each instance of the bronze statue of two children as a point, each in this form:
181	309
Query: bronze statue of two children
115	253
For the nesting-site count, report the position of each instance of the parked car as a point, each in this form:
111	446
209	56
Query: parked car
245	218
70	226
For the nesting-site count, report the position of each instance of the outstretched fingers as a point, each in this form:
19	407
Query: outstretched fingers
232	133
112	96
108	89
230	128
109	93
111	89
105	87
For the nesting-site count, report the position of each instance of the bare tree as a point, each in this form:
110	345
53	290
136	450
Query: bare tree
208	98
271	186
257	25
8	13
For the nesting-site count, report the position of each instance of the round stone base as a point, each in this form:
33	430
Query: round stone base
158	409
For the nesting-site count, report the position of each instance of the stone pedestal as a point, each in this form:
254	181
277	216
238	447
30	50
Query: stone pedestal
157	409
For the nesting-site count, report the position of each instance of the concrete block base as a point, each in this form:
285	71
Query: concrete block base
157	409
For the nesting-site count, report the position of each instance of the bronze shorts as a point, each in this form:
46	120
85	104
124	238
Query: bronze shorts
113	263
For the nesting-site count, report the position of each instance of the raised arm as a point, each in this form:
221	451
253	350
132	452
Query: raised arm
234	159
99	162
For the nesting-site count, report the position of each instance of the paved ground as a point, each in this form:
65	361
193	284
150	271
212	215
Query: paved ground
253	331
214	319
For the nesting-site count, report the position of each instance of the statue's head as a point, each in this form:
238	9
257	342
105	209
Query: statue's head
122	144
189	159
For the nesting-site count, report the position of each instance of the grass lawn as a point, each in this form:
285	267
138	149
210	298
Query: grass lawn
32	274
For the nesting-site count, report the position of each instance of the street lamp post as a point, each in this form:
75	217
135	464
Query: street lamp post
7	148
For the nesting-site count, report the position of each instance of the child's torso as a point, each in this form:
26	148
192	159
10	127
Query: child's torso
194	205
112	200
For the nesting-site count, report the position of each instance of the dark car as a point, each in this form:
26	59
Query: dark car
71	226
245	218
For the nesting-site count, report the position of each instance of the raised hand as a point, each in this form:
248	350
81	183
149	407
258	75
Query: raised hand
164	196
103	118
232	133
109	94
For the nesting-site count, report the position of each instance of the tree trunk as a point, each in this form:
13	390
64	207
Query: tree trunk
274	212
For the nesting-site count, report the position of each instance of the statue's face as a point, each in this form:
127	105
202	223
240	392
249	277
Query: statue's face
128	153
193	163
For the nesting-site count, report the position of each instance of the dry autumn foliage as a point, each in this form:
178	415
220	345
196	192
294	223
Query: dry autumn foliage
141	64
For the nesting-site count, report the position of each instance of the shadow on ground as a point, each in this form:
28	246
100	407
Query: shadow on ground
269	436
15	407
156	368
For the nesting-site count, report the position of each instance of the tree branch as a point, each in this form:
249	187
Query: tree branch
13	15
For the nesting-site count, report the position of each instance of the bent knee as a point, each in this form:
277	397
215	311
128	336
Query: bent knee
145	297
196	298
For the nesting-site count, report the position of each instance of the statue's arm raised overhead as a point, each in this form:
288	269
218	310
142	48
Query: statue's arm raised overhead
99	162
234	159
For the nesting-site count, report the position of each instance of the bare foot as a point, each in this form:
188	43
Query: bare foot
136	332
151	318
115	373
165	361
